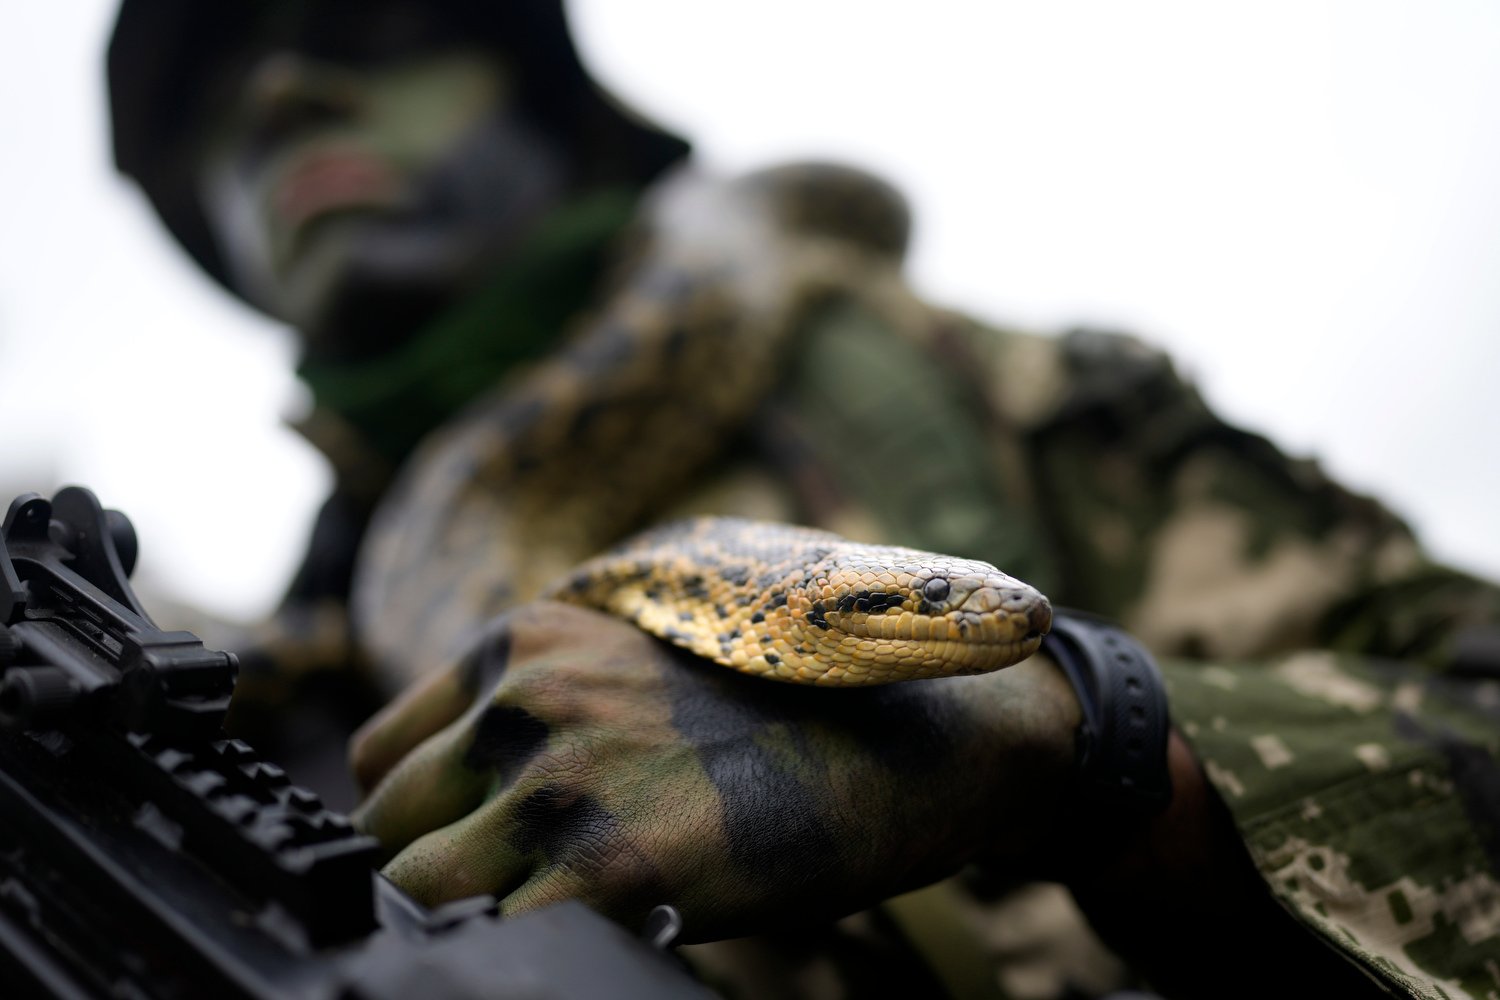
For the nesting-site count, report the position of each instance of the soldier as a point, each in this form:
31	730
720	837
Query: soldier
530	328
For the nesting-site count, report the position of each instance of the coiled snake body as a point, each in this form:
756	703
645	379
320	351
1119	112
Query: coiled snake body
578	452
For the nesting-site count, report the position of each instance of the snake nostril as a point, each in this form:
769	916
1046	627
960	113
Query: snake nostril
1040	620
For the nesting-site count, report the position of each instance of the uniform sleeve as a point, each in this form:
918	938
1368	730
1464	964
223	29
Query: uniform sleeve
1207	540
1341	689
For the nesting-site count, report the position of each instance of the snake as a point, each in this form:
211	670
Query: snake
806	606
516	498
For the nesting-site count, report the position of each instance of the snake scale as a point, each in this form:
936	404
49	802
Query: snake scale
569	457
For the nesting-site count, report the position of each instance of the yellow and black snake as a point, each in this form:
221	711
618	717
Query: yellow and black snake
569	457
807	606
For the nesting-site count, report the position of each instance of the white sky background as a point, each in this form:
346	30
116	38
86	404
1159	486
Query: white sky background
1300	200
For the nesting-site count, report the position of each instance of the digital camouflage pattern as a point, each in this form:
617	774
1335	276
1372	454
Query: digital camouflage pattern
1342	691
1339	688
1369	796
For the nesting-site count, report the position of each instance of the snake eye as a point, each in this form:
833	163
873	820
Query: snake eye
936	589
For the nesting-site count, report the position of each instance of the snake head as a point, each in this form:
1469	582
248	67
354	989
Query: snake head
809	607
877	614
968	599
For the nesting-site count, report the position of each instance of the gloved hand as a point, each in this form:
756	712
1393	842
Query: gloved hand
571	755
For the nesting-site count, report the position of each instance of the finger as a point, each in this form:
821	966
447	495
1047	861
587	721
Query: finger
624	899
465	858
429	705
619	866
418	712
545	887
430	788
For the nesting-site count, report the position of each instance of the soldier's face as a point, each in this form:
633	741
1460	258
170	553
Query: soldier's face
355	190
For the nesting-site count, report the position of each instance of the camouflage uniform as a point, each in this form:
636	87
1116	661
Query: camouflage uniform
1340	689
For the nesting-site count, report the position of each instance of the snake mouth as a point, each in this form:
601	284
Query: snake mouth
968	628
959	642
981	655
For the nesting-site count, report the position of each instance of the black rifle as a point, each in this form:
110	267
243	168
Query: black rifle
143	854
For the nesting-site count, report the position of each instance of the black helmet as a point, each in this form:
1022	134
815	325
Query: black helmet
162	51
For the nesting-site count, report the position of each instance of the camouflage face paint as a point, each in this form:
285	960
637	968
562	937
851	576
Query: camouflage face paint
704	710
350	196
505	738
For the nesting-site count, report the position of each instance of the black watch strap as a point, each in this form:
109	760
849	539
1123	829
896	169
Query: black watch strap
1122	742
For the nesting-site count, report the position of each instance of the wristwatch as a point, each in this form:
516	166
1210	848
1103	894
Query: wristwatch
1122	741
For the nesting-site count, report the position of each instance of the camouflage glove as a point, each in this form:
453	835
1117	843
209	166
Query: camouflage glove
571	755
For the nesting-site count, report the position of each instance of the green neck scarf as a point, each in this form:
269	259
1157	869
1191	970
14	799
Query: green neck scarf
395	399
